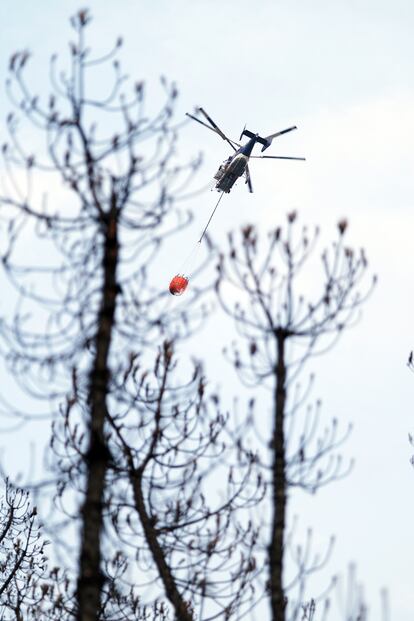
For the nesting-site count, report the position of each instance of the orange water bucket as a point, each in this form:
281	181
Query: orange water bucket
178	284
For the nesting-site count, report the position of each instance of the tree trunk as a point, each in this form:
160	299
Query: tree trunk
277	596
182	608
90	578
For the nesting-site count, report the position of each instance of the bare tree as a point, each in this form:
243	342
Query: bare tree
282	329
135	447
172	443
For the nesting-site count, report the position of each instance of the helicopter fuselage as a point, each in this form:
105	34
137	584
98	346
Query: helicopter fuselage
230	170
234	167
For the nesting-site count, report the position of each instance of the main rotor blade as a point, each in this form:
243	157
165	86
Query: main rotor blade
248	179
217	128
284	131
277	157
202	122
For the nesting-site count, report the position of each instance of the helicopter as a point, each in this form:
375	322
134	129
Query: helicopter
238	163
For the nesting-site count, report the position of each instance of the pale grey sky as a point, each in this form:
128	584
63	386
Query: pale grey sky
343	72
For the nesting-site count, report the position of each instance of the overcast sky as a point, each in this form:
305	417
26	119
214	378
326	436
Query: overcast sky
342	71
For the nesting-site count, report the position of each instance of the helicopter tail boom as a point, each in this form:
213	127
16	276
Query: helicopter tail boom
250	134
267	141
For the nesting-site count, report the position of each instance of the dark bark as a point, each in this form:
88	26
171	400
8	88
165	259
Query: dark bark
90	578
277	596
182	608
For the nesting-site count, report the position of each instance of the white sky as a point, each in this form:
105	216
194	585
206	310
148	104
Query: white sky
343	72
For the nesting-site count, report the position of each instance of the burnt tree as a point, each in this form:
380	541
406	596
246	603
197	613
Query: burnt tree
134	445
282	328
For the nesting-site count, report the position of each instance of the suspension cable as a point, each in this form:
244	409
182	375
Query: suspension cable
211	217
